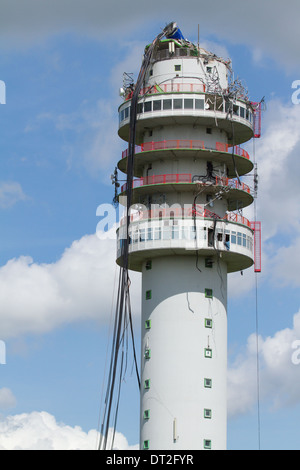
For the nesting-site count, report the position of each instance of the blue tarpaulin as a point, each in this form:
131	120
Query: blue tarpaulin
175	34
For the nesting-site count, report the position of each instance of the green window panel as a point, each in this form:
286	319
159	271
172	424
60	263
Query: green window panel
209	293
147	353
146	445
208	353
207	444
207	413
147	384
207	383
148	294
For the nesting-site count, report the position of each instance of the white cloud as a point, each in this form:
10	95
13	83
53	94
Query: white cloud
7	399
278	376
278	165
28	23
41	431
35	298
11	192
278	209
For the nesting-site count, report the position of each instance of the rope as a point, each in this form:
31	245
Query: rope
257	333
123	316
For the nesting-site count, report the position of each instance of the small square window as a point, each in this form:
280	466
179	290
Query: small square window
208	293
207	383
208	262
148	264
208	353
148	324
147	384
207	413
146	414
148	294
208	323
209	69
147	353
207	444
208	130
177	68
146	445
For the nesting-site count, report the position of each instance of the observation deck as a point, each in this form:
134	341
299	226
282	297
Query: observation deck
170	232
175	108
235	158
238	194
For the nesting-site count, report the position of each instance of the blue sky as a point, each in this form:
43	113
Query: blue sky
63	68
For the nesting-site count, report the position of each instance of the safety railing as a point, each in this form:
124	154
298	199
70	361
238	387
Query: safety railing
186	144
184	178
159	179
171	88
232	183
196	211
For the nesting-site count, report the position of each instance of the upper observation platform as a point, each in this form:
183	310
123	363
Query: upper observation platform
202	109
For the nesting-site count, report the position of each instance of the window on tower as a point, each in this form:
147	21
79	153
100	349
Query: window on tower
167	104
207	413
207	444
157	105
207	383
188	103
177	104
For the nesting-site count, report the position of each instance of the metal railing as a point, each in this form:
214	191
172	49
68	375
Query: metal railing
184	178
186	144
185	212
159	179
172	87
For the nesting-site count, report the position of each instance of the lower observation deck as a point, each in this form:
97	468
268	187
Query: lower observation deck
168	233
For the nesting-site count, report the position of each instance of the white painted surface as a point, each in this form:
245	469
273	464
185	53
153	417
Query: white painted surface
177	366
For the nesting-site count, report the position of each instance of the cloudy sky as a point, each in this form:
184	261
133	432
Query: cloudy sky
62	64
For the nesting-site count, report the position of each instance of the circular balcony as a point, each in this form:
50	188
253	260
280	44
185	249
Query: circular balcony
170	232
204	109
148	152
238	195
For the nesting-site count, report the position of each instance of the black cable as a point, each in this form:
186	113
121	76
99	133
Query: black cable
123	307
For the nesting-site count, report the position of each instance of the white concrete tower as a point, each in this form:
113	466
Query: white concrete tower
187	232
